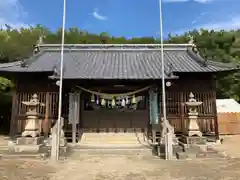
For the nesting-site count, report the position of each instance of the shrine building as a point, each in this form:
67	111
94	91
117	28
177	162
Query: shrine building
115	88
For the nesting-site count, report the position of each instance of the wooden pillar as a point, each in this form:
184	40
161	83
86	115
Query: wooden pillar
75	113
152	115
46	119
74	121
215	116
13	124
155	108
183	124
150	108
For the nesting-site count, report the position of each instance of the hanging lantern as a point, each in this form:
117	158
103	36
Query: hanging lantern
113	102
127	100
123	102
133	99
92	98
97	101
103	102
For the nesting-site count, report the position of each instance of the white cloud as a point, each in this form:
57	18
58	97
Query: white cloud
228	24
232	23
98	16
199	1
12	13
199	17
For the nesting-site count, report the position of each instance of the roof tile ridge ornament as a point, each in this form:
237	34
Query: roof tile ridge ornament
224	65
36	53
194	53
170	70
40	42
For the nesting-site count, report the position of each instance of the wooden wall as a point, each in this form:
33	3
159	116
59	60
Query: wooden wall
202	86
177	112
229	123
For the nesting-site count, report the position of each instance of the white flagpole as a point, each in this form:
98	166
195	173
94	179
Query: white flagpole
163	77
60	83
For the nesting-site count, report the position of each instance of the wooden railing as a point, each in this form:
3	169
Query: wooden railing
176	111
47	114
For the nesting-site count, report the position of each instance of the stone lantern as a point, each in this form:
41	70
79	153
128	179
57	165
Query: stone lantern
193	128
30	141
32	124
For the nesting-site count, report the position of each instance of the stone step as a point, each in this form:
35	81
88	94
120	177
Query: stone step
99	135
111	142
10	155
112	137
91	151
112	146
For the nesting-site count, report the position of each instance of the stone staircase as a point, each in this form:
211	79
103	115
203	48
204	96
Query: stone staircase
113	140
113	144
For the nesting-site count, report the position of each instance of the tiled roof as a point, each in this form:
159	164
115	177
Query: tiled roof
117	62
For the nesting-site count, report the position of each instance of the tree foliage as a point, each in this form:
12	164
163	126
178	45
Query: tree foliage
222	46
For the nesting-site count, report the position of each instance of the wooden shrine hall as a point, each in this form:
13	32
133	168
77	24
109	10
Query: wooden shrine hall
115	88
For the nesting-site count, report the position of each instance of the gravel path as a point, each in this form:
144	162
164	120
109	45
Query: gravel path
138	167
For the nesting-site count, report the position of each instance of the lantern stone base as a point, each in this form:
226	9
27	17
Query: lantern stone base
31	133
29	140
27	145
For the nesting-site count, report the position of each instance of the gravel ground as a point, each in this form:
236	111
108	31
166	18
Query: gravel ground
122	167
12	169
138	167
231	146
141	166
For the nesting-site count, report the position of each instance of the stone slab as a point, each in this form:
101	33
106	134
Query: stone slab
193	140
160	149
62	142
25	148
175	140
63	151
29	140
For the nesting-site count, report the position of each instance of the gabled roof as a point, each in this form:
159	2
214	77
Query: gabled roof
128	61
227	106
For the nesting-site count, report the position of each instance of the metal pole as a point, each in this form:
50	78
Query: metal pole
163	74
60	82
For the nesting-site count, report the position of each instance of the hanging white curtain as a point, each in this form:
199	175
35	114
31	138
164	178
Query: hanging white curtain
74	108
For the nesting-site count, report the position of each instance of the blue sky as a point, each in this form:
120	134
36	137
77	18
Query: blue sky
129	18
